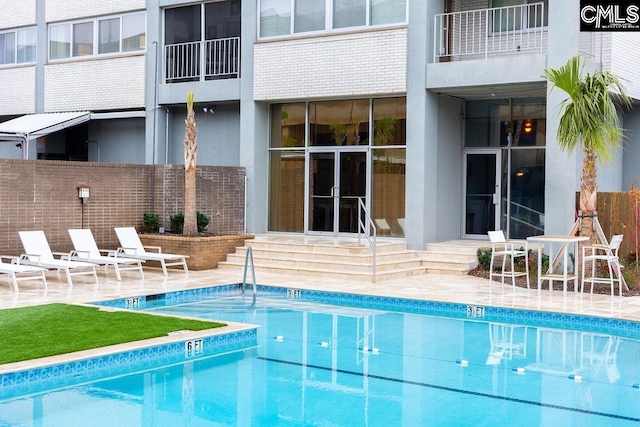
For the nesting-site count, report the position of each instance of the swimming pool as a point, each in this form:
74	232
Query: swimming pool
366	361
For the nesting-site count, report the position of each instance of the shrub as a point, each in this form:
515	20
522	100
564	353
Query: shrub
484	257
177	222
203	222
151	222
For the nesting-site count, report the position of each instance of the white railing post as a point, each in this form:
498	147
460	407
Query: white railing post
366	228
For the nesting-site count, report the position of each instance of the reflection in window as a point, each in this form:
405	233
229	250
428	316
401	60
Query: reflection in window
349	13
286	191
339	123
287	125
109	35
309	16
83	39
275	17
60	41
388	11
133	33
526	211
389	121
26	45
7	48
484	123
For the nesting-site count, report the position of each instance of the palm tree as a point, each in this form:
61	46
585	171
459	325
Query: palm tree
588	119
190	150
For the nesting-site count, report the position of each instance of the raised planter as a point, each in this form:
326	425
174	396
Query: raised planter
205	252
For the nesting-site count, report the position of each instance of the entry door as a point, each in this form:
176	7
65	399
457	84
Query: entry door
482	193
336	180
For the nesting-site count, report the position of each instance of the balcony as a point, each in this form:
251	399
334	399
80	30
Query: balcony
489	33
204	60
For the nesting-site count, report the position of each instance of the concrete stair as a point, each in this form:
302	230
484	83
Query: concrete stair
344	259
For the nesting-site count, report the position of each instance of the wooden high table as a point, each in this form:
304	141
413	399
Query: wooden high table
549	242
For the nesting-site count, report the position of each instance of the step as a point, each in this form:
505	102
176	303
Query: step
337	264
320	273
365	256
351	248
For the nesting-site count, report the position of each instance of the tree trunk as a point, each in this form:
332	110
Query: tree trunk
190	149
588	195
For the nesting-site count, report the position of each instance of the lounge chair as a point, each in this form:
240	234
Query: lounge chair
131	246
38	253
87	250
18	272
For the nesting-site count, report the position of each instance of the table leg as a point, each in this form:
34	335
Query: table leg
539	267
565	271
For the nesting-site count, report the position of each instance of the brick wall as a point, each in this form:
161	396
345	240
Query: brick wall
61	10
22	100
95	84
18	13
43	195
360	63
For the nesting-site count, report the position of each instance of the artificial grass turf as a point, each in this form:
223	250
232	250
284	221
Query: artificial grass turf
53	329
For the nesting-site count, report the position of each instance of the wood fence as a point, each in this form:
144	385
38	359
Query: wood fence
618	214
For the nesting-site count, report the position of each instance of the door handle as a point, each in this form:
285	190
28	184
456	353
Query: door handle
495	198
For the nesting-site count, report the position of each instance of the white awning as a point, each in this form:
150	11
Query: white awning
33	126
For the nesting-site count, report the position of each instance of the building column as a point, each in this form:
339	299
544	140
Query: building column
562	174
422	127
254	136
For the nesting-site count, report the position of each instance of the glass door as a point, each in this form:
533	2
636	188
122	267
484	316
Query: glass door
482	193
336	180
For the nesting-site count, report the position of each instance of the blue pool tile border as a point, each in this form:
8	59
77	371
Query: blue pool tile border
30	381
587	323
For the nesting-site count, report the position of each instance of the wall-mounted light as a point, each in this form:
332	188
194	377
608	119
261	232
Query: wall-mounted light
493	92
211	109
528	126
83	193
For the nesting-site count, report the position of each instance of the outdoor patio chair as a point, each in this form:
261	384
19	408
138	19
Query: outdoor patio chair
500	247
131	247
17	272
38	253
606	254
87	250
383	227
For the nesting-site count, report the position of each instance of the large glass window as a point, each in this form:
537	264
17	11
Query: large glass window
18	46
389	121
388	189
115	34
485	123
286	17
338	130
514	15
526	210
339	123
287	125
286	191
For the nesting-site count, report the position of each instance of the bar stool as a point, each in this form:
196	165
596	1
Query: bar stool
500	247
605	253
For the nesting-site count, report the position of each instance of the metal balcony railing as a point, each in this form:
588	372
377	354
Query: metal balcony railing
484	33
204	60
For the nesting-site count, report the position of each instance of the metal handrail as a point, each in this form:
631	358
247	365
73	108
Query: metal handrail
362	227
248	257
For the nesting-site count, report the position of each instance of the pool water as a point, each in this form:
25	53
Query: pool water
326	365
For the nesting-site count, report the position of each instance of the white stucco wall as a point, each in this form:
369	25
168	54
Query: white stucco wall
116	83
368	62
63	10
18	90
23	13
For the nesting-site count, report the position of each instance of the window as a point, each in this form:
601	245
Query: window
515	15
18	46
102	36
286	17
